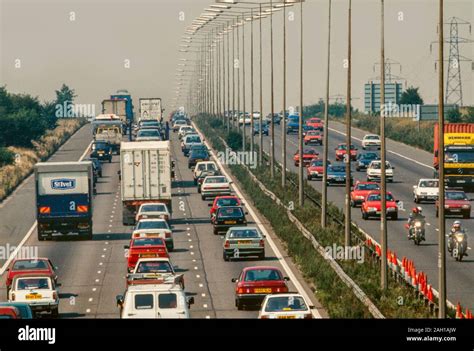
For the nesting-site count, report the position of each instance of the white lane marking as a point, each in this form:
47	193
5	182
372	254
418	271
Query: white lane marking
103	256
97	280
94	289
208	317
192	253
100	263
203	295
205	305
90	299
99	272
195	268
191	246
200	285
275	249
389	151
33	227
88	311
198	276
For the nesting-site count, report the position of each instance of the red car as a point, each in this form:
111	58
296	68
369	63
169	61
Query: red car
361	190
30	266
308	155
315	122
313	137
315	169
341	150
220	201
372	206
9	312
145	247
455	203
254	283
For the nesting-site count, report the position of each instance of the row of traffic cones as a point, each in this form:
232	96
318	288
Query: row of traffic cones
405	270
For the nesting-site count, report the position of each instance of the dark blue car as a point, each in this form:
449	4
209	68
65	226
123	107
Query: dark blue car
337	174
263	128
363	160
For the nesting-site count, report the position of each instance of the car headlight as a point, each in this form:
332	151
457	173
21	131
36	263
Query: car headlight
459	238
418	224
446	206
466	206
372	209
359	197
314	172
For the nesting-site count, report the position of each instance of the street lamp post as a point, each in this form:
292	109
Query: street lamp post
272	99
347	226
300	127
283	125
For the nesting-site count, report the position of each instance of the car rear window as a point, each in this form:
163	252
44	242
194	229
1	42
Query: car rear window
227	202
167	300
232	212
152	225
33	283
147	242
154	208
244	233
377	197
143	301
216	180
255	275
455	195
24	265
154	267
368	187
193	139
148	133
285	304
429	184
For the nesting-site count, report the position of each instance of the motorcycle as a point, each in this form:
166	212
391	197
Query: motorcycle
458	245
417	231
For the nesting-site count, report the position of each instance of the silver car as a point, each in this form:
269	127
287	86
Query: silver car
242	242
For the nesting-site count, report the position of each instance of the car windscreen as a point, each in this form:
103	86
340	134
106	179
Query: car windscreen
29	265
337	169
256	275
285	304
152	225
199	154
455	195
215	180
231	212
99	145
244	233
154	208
154	267
32	283
141	242
369	156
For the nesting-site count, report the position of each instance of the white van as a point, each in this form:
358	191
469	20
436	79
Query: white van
160	300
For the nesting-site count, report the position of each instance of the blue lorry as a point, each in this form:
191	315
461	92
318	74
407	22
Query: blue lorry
64	194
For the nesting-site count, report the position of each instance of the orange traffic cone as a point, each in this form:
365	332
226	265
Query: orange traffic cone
459	314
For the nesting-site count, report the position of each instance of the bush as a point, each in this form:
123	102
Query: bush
234	140
6	156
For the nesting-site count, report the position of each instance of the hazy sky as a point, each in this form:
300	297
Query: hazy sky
89	52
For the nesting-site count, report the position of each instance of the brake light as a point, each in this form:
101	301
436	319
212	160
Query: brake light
308	316
45	210
13	296
82	208
55	295
264	317
262	243
168	235
227	244
240	290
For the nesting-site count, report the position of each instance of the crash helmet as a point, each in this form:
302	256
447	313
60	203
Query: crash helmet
457	225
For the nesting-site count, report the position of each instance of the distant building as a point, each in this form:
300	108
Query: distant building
393	93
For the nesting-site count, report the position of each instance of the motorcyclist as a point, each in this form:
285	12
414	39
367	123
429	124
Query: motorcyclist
456	228
416	214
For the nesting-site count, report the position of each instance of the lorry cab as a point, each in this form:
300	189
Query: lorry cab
154	299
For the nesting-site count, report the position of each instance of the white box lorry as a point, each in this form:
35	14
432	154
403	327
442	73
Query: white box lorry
150	108
145	176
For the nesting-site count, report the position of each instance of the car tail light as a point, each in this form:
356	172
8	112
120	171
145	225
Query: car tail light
227	244
264	317
168	235
262	243
308	316
13	296
240	290
55	296
45	209
82	208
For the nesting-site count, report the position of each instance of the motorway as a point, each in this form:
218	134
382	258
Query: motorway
93	272
410	164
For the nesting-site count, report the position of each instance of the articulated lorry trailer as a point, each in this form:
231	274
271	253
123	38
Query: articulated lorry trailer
145	176
64	194
459	154
150	109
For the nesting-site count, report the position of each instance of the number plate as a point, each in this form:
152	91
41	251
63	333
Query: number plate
147	255
244	242
263	291
286	317
33	296
230	222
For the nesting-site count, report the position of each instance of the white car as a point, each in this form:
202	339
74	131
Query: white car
374	171
148	134
426	190
38	291
247	120
154	297
256	115
285	306
153	210
204	166
183	130
371	140
179	123
213	186
155	226
190	140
